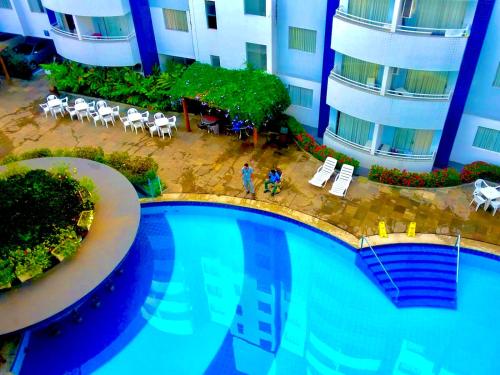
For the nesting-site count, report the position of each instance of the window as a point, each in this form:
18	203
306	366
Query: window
215	61
487	139
5	4
301	96
266	344
255	7
263	286
408	8
211	14
265	327
36	6
257	56
264	307
496	81
302	39
175	19
239	310
241	328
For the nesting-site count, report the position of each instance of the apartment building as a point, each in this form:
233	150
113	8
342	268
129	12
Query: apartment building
400	83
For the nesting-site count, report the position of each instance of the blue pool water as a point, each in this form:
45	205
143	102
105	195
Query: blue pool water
217	290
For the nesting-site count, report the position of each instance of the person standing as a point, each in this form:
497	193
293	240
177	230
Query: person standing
246	174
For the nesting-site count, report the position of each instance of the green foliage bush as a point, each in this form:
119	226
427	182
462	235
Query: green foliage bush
137	169
16	64
117	84
320	152
248	94
437	178
38	211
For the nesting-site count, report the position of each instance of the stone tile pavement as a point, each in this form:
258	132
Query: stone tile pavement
203	163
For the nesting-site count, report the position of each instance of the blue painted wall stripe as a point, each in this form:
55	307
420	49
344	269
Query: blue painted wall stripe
328	61
464	81
145	34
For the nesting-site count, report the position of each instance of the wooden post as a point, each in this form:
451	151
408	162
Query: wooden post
255	137
186	114
4	68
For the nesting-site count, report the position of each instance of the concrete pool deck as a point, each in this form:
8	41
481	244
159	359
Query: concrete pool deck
201	163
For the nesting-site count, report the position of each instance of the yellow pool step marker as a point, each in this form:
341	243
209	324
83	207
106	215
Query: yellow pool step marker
411	229
382	231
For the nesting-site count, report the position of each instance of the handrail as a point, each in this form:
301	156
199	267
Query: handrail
364	86
405	156
363	238
70	34
415	95
448	33
457	245
349	143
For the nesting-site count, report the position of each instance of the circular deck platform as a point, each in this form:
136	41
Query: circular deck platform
116	221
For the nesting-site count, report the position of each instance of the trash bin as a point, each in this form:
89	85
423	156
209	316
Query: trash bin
283	138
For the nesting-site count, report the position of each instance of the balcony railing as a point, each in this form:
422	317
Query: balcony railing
396	155
397	93
55	28
386	26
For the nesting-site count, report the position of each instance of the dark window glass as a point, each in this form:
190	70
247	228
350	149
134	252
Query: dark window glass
211	14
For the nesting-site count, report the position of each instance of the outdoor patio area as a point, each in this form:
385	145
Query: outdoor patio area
203	163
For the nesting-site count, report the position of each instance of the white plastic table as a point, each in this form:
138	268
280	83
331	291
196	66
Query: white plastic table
80	107
134	117
490	193
54	103
105	111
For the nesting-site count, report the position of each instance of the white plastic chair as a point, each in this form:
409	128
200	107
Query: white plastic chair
45	108
126	123
165	130
478	185
92	106
51	97
64	102
82	114
478	199
95	116
172	122
145	117
324	172
136	125
72	112
342	181
101	103
108	118
56	110
132	110
116	111
79	100
158	115
495	204
152	128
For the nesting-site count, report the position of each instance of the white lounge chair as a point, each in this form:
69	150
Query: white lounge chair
324	172
342	181
478	199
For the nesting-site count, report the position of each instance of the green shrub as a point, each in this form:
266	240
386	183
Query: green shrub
480	169
309	144
91	153
36	153
6	271
16	64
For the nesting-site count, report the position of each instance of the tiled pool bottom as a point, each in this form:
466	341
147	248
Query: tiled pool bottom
210	289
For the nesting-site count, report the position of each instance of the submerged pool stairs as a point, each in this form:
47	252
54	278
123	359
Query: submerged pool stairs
413	275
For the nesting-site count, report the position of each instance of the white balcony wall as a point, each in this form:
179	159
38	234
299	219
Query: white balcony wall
389	110
89	8
9	21
99	52
306	116
463	151
366	160
399	49
172	42
234	30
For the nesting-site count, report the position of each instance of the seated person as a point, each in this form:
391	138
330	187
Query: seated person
273	179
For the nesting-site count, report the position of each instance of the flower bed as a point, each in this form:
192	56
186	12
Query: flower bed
309	144
437	178
39	212
139	170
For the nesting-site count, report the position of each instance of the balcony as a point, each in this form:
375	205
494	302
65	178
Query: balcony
96	49
405	47
413	163
396	107
89	8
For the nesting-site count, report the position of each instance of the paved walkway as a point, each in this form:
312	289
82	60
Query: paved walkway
203	163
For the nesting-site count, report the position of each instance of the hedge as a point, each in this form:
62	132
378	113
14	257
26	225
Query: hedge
437	178
139	170
309	144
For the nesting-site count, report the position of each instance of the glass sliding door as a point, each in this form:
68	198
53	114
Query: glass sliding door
426	82
375	10
438	14
360	71
412	141
354	129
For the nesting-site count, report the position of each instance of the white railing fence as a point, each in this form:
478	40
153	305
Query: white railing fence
58	30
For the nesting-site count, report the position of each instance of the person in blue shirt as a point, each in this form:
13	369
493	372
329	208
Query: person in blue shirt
246	175
273	179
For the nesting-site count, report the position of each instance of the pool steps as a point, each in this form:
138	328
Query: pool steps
424	274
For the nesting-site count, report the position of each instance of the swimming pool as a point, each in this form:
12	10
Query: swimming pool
219	290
